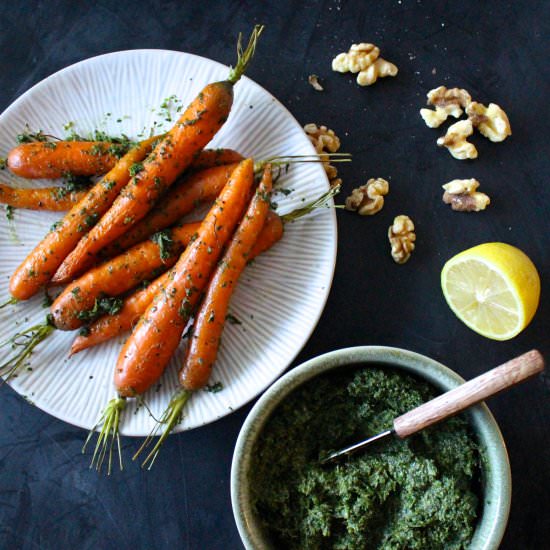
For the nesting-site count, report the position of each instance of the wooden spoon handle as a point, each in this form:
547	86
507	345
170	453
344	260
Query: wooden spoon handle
454	401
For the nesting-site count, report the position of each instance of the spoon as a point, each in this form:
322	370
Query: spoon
454	401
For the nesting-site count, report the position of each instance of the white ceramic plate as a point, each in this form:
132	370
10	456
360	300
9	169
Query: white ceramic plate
281	295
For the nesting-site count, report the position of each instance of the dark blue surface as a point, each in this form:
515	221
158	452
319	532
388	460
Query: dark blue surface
499	52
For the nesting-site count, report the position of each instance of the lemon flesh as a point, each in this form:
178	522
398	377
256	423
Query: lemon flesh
494	288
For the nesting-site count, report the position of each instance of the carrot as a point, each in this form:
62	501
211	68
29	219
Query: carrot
182	198
210	318
82	298
147	351
55	199
199	123
111	326
53	159
40	265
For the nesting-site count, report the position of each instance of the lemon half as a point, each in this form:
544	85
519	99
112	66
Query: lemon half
494	288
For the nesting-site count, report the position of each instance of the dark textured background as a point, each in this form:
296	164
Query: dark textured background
499	52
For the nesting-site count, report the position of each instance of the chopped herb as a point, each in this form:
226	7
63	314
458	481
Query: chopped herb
91	219
214	388
84	331
108	184
55	225
3	163
104	305
76	183
165	242
127	220
75	291
48	300
9	212
232	319
135	168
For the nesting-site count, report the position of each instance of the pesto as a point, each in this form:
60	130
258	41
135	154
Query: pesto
418	493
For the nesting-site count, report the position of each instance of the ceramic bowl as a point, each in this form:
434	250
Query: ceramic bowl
495	467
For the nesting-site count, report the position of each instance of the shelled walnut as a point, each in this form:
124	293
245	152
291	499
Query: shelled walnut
379	69
364	59
402	237
358	58
492	121
325	141
455	140
447	102
368	199
463	196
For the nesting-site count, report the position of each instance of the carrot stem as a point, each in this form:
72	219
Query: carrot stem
171	417
244	57
109	421
321	202
10	302
27	340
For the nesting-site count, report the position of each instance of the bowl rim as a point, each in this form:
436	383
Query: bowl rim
495	463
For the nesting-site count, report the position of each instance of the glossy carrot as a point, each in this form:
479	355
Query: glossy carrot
140	263
54	199
40	265
210	319
157	335
53	159
182	198
196	127
111	326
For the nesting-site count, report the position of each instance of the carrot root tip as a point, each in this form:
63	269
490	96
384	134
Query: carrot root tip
170	418
109	422
12	301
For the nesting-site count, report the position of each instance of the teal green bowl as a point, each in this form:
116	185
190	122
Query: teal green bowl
496	478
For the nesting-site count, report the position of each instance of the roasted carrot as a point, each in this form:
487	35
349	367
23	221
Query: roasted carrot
53	159
71	309
55	199
40	265
210	319
111	326
199	123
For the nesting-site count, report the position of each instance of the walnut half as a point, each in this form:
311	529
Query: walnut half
379	69
463	196
455	140
447	102
401	236
491	121
368	199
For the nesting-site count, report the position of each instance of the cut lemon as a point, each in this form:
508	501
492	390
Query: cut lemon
494	288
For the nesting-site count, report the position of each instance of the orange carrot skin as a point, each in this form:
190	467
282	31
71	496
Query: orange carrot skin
216	157
210	319
52	159
87	158
40	265
111	326
176	151
158	333
140	263
53	199
181	199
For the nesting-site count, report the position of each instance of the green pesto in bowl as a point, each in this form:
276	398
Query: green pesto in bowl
419	493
